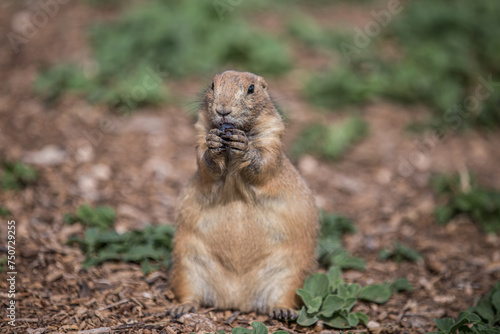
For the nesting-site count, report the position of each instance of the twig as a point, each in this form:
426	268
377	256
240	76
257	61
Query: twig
128	326
101	330
123	301
208	310
231	318
27	319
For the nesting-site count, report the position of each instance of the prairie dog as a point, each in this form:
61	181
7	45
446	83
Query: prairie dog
247	224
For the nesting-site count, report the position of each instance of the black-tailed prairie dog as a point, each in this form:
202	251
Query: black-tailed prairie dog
247	224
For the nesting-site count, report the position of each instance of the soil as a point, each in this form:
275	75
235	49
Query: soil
139	162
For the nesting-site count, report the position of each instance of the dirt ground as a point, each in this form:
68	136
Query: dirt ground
138	164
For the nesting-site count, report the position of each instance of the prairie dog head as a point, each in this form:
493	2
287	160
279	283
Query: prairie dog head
236	98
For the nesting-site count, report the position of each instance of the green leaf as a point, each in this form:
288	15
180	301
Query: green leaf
338	321
346	291
485	309
363	318
317	285
4	212
463	319
444	324
376	293
495	300
331	304
334	274
349	303
401	284
313	304
241	330
349	262
444	213
147	267
259	328
306	319
353	319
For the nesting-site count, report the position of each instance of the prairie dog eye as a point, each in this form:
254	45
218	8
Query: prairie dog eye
251	89
212	86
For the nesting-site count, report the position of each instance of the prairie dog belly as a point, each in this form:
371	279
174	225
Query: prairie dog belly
239	234
235	263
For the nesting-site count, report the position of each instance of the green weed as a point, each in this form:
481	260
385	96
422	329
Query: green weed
4	212
3	264
446	57
102	217
135	54
484	318
149	247
326	297
330	141
330	250
257	328
399	253
17	175
481	205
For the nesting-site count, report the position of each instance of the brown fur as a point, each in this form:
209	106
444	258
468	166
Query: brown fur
247	224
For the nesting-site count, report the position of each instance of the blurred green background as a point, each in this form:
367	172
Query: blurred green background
392	111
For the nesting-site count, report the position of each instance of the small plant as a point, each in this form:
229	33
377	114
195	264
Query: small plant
17	175
326	297
3	264
136	53
488	308
330	141
399	253
330	250
484	318
4	212
102	217
257	328
434	66
481	205
149	247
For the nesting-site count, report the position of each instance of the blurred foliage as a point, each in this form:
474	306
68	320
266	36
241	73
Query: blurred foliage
105	2
399	253
3	263
149	247
4	212
160	39
330	141
102	217
443	58
330	250
481	205
17	175
257	328
484	318
488	308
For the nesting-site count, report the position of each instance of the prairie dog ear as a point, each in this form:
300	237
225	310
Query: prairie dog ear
262	82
